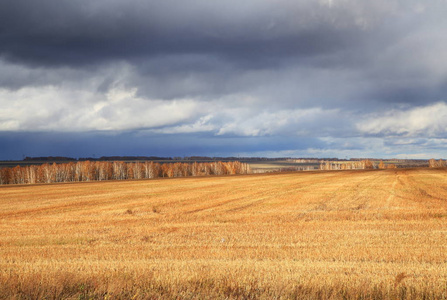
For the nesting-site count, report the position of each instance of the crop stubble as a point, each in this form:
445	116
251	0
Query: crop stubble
377	234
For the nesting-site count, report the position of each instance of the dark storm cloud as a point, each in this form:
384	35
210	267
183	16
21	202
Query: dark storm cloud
178	48
50	32
96	144
197	48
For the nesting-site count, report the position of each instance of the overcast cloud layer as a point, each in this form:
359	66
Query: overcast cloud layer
328	78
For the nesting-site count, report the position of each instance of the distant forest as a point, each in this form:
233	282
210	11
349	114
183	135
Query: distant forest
116	170
65	169
158	158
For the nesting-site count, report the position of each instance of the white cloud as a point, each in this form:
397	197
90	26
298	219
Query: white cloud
201	125
54	108
290	122
73	108
428	121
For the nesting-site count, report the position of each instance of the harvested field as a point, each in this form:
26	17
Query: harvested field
378	234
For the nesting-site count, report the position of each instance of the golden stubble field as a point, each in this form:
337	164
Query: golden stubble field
313	235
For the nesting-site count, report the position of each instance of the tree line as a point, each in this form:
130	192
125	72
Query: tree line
116	170
433	163
354	165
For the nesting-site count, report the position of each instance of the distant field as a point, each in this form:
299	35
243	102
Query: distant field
280	165
378	234
286	165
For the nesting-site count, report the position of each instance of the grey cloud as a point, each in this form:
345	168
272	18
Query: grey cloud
16	76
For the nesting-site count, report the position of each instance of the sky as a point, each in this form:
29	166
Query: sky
267	78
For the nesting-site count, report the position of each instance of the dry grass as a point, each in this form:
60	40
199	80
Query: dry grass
314	235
